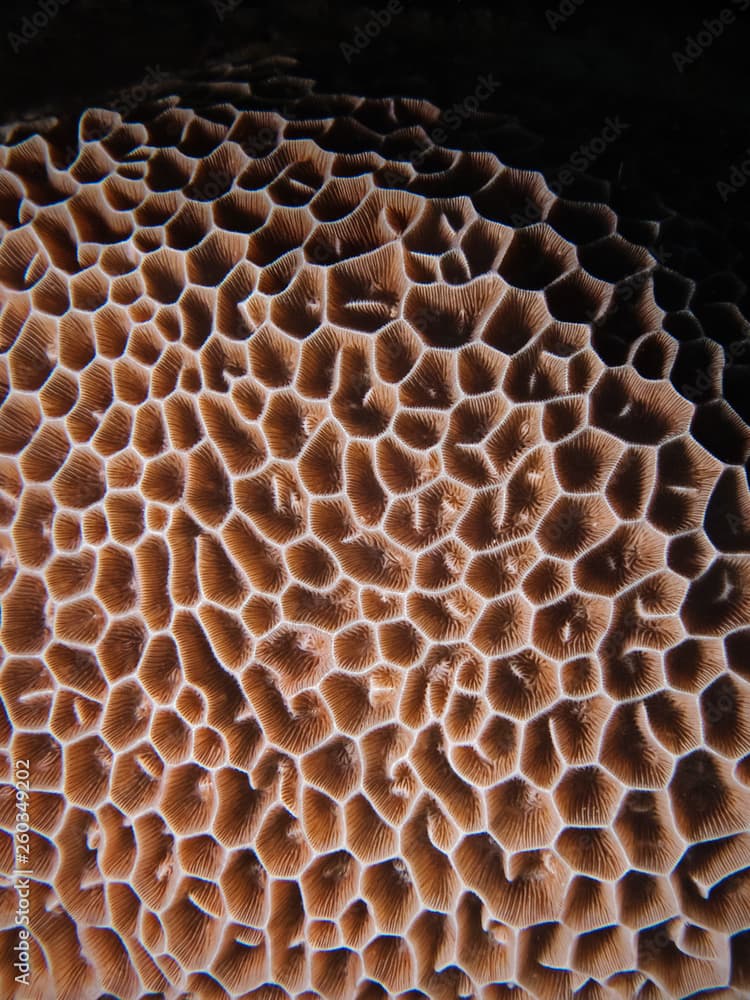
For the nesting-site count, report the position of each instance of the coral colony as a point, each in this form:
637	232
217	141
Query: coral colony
365	633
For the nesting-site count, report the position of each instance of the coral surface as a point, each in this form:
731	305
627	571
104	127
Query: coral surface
366	629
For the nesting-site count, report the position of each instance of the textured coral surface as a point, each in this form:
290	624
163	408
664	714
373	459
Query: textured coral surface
366	632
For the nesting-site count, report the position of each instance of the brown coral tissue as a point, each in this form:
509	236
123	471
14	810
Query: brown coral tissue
366	632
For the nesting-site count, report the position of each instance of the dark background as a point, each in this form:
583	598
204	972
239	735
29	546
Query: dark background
687	129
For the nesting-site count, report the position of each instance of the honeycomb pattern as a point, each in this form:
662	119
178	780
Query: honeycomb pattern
367	634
